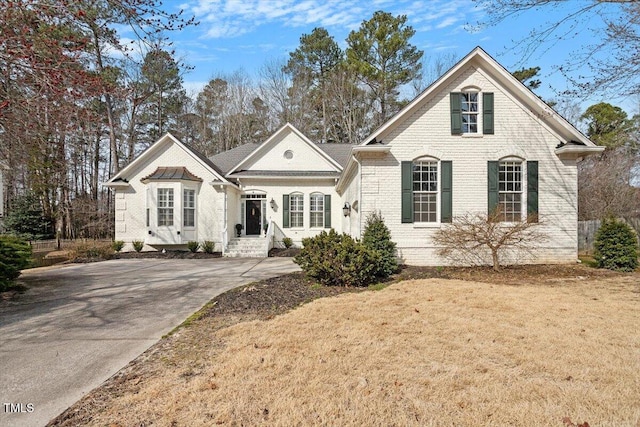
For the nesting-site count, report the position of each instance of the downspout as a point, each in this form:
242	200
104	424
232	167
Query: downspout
355	159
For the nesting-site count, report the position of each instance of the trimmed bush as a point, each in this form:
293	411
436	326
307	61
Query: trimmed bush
287	242
338	260
208	246
193	246
377	237
137	245
117	245
616	246
15	255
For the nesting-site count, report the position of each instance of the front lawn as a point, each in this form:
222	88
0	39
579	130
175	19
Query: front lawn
537	345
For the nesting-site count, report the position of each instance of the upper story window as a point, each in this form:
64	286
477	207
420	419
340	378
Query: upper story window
296	210
189	208
472	112
165	207
316	204
469	111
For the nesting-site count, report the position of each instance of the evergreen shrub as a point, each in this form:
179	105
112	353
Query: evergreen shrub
338	260
616	246
377	237
15	255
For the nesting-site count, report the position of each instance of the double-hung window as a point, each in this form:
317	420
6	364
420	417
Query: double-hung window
189	208
508	195
469	111
165	207
296	210
510	191
425	191
472	112
316	204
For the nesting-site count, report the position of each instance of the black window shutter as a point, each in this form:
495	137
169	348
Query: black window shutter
446	176
407	192
285	211
532	191
327	211
487	113
493	171
456	113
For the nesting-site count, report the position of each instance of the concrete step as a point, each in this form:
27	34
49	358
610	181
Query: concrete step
246	247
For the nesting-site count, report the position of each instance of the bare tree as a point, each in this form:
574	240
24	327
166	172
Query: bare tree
605	185
476	238
613	58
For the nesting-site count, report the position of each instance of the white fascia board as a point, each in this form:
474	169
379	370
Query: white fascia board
155	147
573	152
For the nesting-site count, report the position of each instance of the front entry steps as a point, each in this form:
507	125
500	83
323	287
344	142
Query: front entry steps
246	247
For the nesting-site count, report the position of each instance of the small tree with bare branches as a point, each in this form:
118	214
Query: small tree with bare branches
471	238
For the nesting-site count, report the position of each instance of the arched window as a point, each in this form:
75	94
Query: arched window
425	190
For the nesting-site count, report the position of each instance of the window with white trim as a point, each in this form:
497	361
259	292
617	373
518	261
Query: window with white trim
188	208
510	190
316	203
469	110
165	207
296	208
425	191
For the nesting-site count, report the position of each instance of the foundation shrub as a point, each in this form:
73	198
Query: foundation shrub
193	246
208	246
377	237
338	260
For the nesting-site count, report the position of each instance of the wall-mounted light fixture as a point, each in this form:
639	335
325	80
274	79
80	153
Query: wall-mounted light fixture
346	210
272	203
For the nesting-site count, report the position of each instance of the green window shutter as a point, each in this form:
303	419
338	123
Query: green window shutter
446	202
407	192
456	113
487	113
327	211
285	211
532	191
493	170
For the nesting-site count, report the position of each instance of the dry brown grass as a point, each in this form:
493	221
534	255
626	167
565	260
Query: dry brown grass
420	352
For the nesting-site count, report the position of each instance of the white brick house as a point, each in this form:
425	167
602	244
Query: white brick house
475	139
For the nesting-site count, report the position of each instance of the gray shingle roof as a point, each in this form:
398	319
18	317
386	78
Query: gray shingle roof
227	160
341	153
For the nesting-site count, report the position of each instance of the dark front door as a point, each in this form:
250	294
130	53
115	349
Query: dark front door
253	217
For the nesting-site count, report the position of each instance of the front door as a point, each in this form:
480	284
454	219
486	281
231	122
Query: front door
254	218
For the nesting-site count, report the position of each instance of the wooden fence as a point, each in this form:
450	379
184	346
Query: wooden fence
587	232
53	245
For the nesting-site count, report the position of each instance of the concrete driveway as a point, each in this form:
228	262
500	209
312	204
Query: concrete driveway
78	325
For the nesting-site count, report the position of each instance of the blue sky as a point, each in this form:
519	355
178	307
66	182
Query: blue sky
244	34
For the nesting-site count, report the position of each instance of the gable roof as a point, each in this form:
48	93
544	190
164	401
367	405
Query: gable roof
558	124
120	180
264	147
